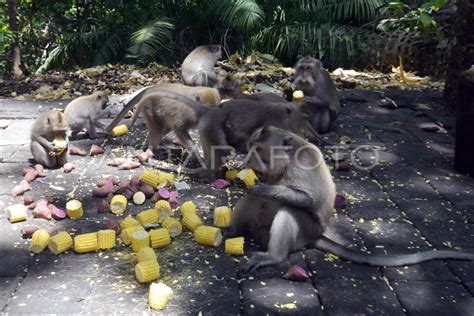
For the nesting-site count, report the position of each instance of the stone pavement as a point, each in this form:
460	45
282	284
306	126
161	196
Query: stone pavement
411	201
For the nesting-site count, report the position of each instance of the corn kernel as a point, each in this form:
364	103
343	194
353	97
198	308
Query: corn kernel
16	213
118	204
148	217
74	209
126	234
230	175
165	177
119	130
159	238
173	225
39	241
208	236
188	207
192	221
235	246
106	239
222	216
60	242
248	177
150	178
164	209
159	295
146	253
147	271
140	239
129	222
86	243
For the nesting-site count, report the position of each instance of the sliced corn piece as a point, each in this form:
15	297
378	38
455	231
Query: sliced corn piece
126	234
173	225
208	236
192	221
298	95
230	175
86	243
165	177
164	209
16	213
159	238
60	242
221	216
187	208
140	239
248	176
150	178
118	204
106	238
148	217
39	241
235	246
129	222
159	295
146	253
119	130
74	209
147	271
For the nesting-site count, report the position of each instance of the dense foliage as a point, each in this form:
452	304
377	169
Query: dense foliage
65	33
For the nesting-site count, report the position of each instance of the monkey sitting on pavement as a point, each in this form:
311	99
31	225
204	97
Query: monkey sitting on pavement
290	209
49	127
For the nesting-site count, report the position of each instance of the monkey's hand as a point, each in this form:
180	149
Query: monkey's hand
283	194
258	260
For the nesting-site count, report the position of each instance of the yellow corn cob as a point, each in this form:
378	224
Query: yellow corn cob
208	235
248	177
126	234
147	271
119	130
231	174
140	239
16	213
60	242
39	241
118	204
60	143
150	178
298	95
165	177
173	225
164	209
221	216
148	217
159	238
74	209
146	253
106	239
191	221
86	243
235	246
187	208
159	295
129	222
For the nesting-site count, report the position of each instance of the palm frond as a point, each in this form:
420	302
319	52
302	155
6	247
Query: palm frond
242	15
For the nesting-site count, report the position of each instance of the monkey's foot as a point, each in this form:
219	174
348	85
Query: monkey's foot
258	260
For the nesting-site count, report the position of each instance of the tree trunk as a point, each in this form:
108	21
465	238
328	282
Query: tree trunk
13	25
464	148
462	53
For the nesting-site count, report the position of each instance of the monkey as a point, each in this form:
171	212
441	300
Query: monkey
229	87
86	112
205	95
198	67
314	81
264	96
290	208
47	127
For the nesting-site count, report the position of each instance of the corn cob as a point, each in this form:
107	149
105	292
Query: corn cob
298	95
147	271
230	175
118	204
60	143
148	217
235	246
86	243
146	253
173	225
39	241
165	177
187	208
129	222
159	238
106	239
164	209
221	216
191	221
150	178
159	295
126	234
60	242
119	130
208	236
74	209
140	239
248	177
16	213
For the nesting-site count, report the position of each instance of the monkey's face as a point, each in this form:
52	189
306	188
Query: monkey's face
57	123
270	151
216	50
103	99
307	69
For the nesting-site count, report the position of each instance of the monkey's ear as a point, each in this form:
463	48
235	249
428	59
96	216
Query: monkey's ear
288	142
318	65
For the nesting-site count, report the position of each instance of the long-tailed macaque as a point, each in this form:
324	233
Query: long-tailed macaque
198	67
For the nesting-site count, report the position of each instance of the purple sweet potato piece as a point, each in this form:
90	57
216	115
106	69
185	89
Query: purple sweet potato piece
27	231
56	212
103	207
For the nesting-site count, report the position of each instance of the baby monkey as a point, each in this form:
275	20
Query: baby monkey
49	139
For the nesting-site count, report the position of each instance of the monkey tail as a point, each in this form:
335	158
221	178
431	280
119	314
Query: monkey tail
327	245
